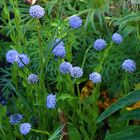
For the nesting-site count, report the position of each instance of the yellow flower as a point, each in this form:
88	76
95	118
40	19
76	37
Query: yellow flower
135	106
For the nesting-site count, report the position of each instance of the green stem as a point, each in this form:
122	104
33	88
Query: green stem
99	67
96	93
41	53
78	91
85	57
125	83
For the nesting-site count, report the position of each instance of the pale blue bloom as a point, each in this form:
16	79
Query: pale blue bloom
75	22
129	65
25	128
36	11
51	101
59	51
15	118
60	42
33	78
95	77
22	60
76	72
11	56
65	67
99	44
117	38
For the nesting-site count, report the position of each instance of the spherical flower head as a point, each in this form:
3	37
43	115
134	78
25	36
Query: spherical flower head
59	51
76	72
95	77
33	79
25	128
129	65
65	67
99	44
36	11
15	118
3	101
117	38
51	101
75	22
22	60
11	56
60	42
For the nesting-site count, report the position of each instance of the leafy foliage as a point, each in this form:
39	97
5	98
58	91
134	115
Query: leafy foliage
74	117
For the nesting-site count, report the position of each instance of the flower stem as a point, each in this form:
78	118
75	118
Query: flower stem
99	67
125	83
85	57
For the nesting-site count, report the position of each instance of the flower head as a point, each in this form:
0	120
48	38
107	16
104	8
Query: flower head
25	128
99	44
75	22
59	51
36	11
51	101
22	60
117	38
60	42
11	56
76	72
95	77
129	65
65	67
33	78
15	118
3	101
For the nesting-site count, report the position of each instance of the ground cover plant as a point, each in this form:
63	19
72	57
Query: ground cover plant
69	70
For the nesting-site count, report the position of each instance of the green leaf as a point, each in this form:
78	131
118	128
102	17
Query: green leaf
87	19
130	115
129	99
73	133
133	133
64	97
3	110
128	29
129	18
56	135
51	5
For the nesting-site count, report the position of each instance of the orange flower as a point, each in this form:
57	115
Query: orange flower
106	101
134	106
86	90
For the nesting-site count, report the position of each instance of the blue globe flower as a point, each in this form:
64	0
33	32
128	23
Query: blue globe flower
75	22
117	38
61	43
33	79
51	101
11	56
95	77
76	72
129	65
36	11
99	44
25	128
22	60
65	67
15	118
59	51
3	101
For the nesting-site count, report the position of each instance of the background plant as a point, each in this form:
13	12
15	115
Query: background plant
36	38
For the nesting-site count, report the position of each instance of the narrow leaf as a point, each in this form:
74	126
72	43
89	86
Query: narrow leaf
133	133
129	99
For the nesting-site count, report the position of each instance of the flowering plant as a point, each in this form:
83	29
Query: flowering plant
70	70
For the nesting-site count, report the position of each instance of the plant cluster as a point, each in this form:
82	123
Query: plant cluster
70	70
